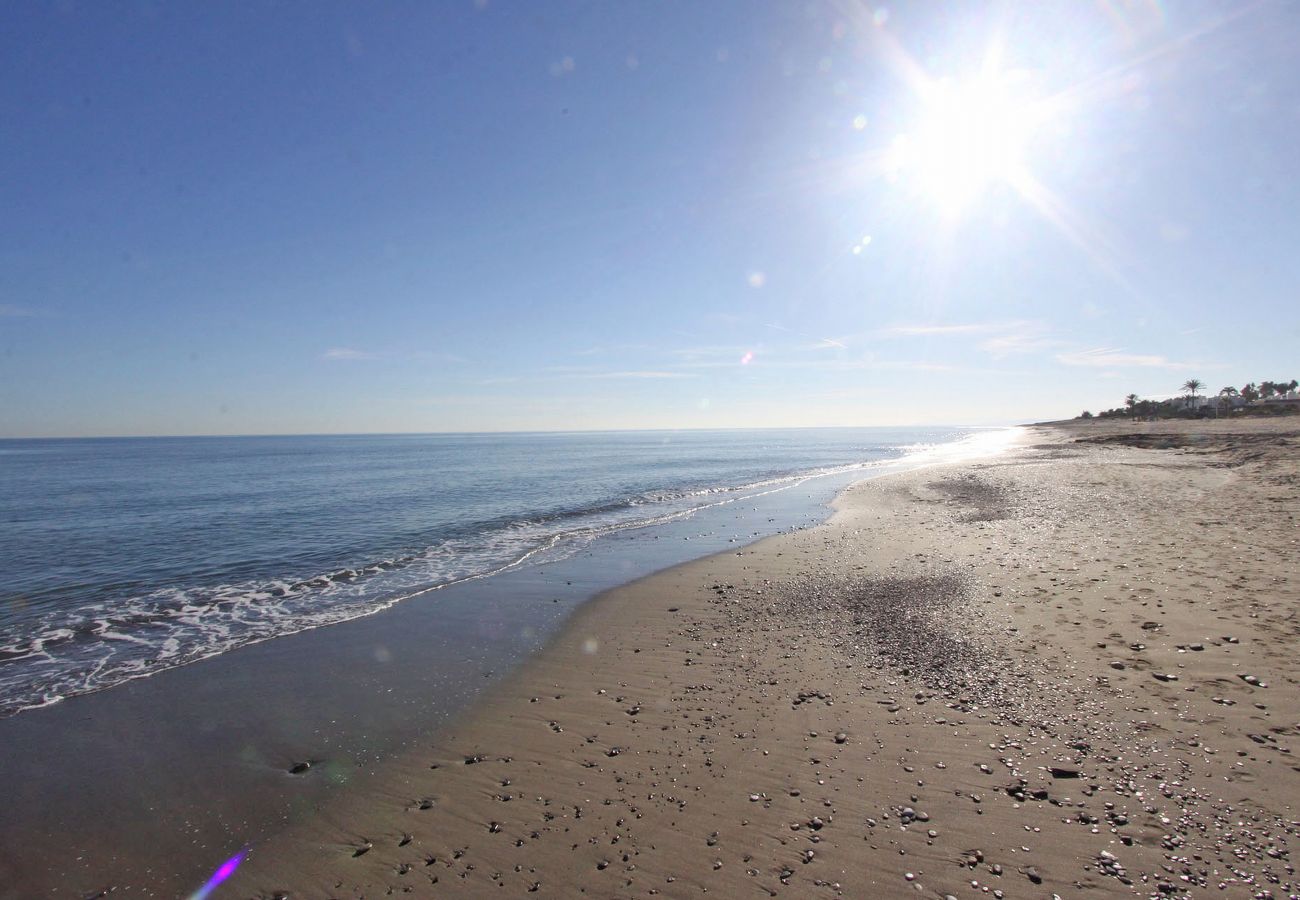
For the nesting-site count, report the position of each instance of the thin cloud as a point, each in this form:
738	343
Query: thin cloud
933	330
913	366
724	350
8	311
821	342
566	372
1021	337
1003	338
346	353
1115	358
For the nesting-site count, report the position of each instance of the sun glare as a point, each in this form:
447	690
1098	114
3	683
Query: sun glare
967	137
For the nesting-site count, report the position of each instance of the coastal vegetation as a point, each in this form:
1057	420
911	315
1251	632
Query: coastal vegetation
1253	399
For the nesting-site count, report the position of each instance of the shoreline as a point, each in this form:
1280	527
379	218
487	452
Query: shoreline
990	672
85	817
572	530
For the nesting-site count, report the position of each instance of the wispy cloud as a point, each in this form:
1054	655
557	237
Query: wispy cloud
723	350
553	373
346	353
1117	358
822	342
1000	339
906	365
925	330
9	311
1007	344
642	374
1021	337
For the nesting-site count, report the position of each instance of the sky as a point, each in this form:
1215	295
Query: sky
480	216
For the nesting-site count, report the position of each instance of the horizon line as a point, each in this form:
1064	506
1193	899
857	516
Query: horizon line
269	434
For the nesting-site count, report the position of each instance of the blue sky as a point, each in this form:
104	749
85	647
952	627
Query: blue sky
313	217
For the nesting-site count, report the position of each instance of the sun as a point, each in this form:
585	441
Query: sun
967	137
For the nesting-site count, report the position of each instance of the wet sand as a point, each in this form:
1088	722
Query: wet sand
143	789
1067	670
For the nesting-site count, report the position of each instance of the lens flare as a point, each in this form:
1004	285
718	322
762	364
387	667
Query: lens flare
224	871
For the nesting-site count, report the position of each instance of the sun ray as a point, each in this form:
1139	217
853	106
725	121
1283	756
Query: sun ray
1075	229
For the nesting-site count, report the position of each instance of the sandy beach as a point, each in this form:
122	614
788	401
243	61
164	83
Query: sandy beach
1066	669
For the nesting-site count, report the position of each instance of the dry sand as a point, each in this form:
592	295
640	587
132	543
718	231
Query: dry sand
1067	670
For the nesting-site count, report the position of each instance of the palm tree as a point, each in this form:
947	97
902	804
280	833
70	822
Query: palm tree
1192	385
1131	401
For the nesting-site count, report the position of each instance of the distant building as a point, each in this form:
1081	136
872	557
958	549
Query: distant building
1200	401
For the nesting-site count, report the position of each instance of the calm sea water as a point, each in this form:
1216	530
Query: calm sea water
124	557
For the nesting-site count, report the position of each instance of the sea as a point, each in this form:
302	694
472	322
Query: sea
126	557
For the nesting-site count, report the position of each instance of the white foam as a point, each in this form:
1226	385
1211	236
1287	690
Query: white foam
98	645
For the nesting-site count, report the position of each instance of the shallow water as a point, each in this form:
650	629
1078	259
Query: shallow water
144	788
125	557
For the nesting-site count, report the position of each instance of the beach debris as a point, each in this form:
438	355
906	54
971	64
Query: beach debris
299	767
363	849
1164	676
1063	771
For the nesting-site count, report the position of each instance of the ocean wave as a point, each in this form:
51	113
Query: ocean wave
97	645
